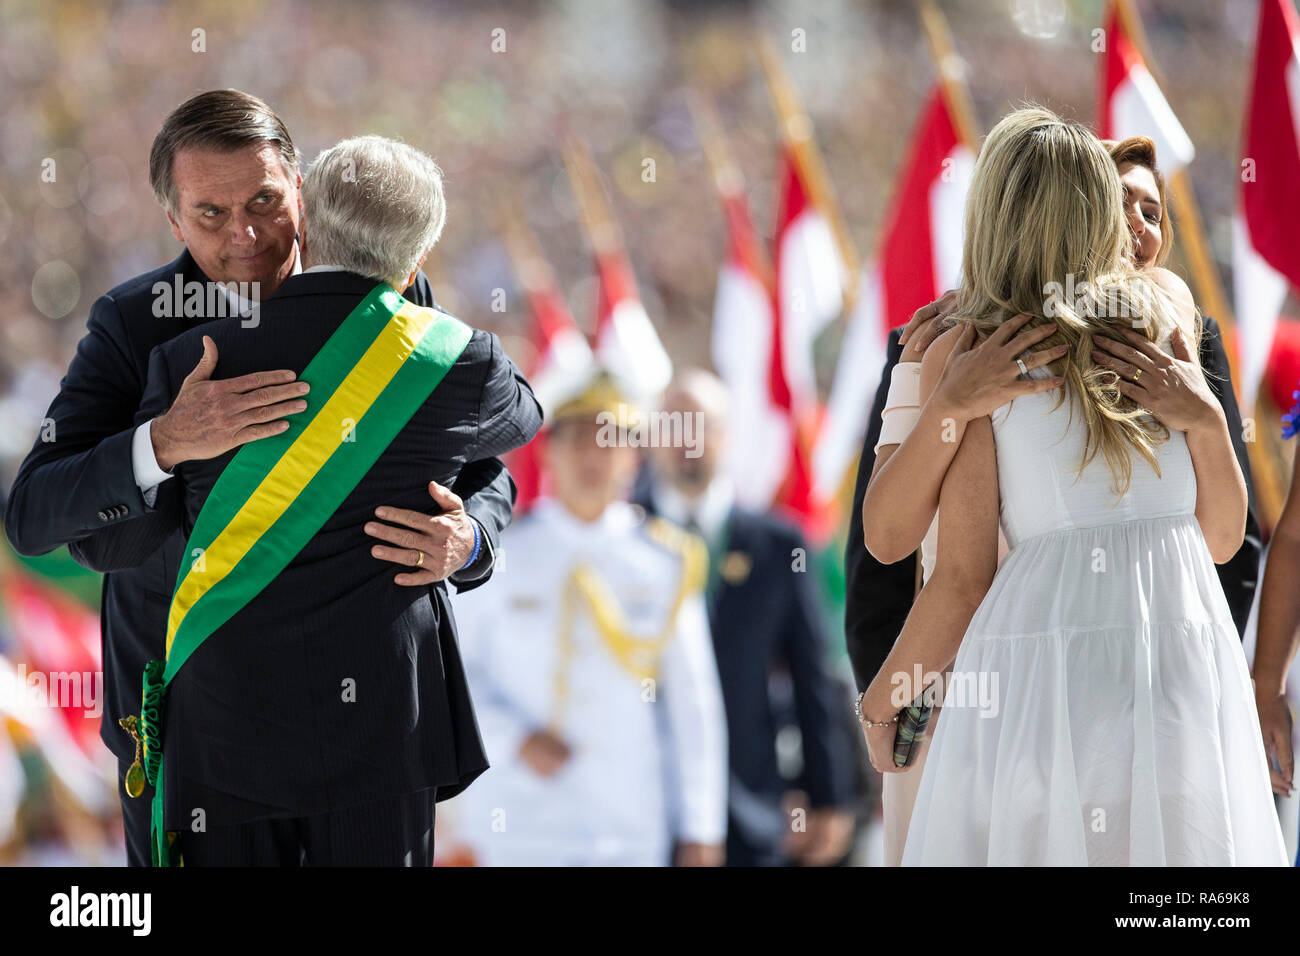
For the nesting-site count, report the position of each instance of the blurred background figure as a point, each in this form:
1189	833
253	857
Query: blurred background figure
592	669
57	800
766	623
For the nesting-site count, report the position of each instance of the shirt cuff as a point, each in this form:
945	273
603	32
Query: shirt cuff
148	476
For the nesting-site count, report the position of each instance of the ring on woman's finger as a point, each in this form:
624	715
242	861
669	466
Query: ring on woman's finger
1137	374
1024	369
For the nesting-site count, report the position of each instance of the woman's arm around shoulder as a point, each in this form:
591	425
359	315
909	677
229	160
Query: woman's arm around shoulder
904	490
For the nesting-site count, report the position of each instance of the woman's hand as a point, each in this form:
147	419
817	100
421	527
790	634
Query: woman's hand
880	747
1172	388
978	381
924	326
1275	723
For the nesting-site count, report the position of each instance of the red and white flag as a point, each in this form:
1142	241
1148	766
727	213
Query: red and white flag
809	281
759	431
626	342
809	294
1131	102
919	258
562	357
1265	255
58	638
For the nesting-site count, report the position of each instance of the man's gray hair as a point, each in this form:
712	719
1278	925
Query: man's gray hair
373	206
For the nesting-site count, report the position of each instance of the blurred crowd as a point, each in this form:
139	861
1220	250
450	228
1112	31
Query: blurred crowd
485	88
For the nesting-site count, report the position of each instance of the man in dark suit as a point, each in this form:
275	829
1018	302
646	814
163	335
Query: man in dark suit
765	621
93	473
879	596
323	719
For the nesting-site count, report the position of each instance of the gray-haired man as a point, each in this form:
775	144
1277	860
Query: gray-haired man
225	171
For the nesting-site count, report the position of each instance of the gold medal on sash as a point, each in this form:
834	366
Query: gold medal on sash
135	773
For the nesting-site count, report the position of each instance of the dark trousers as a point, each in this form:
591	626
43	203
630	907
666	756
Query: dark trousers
746	852
395	831
135	818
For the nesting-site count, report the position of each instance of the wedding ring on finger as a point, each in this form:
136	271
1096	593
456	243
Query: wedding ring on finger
1137	374
1024	369
419	562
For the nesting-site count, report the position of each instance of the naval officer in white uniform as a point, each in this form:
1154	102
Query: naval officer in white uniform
592	670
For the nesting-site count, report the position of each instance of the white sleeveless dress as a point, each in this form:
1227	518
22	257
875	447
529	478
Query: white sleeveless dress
1101	711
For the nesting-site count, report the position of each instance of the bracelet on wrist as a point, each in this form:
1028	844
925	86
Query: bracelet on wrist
857	709
478	545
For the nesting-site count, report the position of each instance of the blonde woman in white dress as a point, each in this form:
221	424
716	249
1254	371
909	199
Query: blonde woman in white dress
1121	727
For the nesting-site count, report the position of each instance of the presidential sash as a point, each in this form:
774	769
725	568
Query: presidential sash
367	381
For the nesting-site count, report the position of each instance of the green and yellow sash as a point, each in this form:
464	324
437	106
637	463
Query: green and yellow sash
367	381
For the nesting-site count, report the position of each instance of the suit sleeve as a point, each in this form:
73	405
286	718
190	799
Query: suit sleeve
878	597
695	728
1239	575
79	476
489	495
484	485
827	761
508	417
129	544
509	414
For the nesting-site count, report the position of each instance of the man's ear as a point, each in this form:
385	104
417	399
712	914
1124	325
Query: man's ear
176	228
418	266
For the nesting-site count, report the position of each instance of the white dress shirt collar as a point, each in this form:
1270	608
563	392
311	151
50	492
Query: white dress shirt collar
242	306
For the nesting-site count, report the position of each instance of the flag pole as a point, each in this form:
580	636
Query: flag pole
797	134
534	273
727	177
951	71
593	206
1209	289
522	248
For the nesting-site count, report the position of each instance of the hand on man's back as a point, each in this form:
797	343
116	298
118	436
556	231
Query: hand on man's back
209	417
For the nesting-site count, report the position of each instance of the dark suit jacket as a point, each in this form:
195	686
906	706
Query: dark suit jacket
80	488
878	597
258	722
771	619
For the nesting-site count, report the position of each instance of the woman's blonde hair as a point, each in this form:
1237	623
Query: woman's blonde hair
1046	235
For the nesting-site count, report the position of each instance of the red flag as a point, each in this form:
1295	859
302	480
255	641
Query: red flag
809	293
919	258
809	284
1131	103
1265	255
759	444
58	644
561	356
626	341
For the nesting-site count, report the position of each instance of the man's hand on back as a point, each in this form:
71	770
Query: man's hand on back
208	418
436	545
